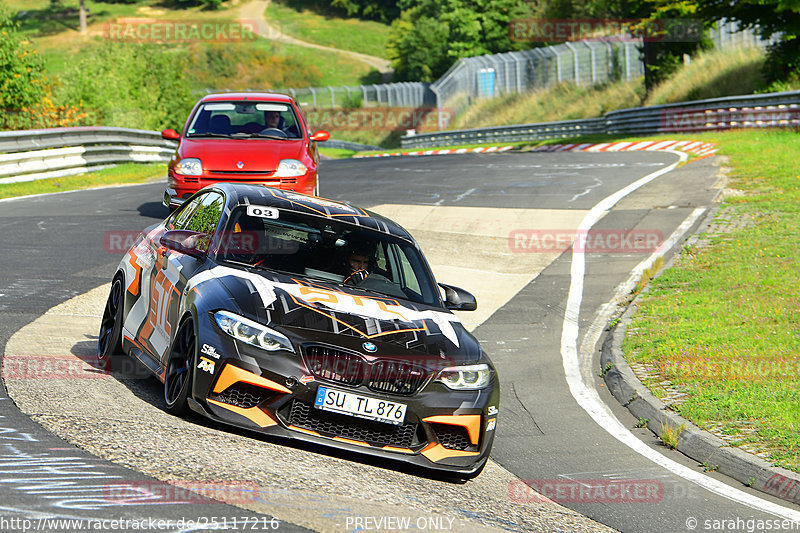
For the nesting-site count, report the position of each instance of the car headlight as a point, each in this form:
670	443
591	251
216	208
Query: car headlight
251	332
471	377
289	168
191	166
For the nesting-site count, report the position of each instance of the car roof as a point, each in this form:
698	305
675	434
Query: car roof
255	97
247	194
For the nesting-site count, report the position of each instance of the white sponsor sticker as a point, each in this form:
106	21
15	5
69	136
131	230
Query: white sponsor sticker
262	211
209	350
206	365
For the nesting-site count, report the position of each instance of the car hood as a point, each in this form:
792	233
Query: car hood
314	311
254	154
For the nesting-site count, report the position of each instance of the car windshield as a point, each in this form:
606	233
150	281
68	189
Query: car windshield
327	250
268	120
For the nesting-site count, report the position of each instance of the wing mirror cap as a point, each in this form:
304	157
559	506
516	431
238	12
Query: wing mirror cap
457	299
187	242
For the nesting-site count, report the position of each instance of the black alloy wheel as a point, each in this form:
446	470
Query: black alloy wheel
178	378
109	341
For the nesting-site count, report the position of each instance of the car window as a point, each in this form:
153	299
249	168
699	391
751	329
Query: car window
245	119
322	249
182	216
206	215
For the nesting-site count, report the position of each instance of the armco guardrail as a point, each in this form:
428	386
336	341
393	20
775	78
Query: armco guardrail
37	154
520	132
753	111
347	145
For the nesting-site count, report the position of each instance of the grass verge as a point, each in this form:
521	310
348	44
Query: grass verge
119	175
723	324
363	36
336	153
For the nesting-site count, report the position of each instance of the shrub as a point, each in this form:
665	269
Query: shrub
23	83
132	86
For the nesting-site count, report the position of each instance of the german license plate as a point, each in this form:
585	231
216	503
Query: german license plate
361	406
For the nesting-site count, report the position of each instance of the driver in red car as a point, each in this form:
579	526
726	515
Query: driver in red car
273	119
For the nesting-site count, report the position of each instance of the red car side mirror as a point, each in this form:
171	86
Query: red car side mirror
320	135
170	135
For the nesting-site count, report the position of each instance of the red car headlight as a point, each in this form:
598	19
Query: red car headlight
191	166
290	168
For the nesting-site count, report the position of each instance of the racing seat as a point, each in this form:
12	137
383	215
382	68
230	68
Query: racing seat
220	124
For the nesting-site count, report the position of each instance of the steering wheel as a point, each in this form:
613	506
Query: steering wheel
273	131
356	277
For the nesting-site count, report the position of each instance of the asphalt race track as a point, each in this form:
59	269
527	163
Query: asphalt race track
487	223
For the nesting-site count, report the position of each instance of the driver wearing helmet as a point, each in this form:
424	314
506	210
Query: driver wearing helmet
356	266
355	258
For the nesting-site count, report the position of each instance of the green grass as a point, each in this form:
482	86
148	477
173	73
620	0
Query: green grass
713	74
39	18
337	153
119	175
336	69
562	102
669	435
709	75
723	325
366	37
54	32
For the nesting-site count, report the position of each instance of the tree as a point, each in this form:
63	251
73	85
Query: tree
433	34
663	54
142	86
22	79
418	45
770	18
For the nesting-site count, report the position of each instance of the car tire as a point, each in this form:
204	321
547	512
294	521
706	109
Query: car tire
109	340
180	369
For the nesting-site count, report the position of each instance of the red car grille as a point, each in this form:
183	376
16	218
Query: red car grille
243	172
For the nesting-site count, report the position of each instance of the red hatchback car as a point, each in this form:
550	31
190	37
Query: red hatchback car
244	138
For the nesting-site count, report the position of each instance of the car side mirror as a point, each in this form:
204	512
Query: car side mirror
170	135
187	242
457	299
320	135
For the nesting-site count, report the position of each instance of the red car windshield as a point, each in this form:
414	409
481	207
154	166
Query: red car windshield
269	120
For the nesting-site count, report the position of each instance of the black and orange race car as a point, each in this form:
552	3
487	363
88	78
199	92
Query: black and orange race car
306	318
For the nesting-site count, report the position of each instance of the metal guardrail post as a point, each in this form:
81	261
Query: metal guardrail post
558	65
576	69
333	97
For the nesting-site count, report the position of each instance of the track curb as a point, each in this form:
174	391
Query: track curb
695	443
